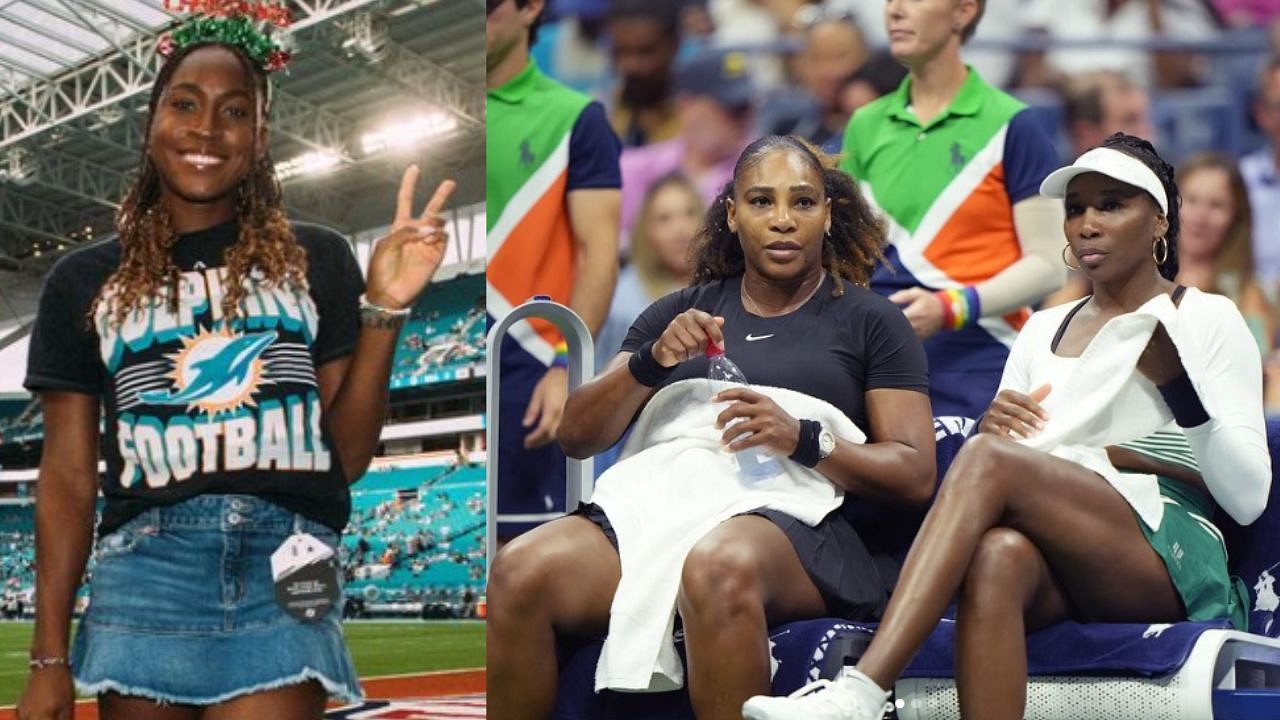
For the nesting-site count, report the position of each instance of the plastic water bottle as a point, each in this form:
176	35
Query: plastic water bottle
754	464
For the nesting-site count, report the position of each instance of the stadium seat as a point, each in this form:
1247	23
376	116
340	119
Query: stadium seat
442	508
1192	671
443	340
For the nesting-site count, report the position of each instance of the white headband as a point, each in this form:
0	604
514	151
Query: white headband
1112	163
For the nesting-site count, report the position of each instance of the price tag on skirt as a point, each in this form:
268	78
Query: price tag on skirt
306	577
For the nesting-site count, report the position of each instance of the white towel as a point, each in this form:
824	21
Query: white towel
674	484
1105	400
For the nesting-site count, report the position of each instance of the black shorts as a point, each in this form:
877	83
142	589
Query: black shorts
854	582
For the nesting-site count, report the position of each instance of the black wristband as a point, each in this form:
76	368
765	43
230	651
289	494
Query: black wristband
1180	395
807	449
646	369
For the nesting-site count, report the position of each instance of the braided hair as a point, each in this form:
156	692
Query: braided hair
145	233
850	251
1145	152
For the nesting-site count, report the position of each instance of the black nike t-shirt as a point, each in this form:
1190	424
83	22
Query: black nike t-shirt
832	348
191	405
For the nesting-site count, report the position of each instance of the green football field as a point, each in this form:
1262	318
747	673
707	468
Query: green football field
379	648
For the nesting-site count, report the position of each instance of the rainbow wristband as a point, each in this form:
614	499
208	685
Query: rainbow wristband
561	360
961	307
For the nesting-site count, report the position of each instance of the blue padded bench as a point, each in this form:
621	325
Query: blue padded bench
1191	671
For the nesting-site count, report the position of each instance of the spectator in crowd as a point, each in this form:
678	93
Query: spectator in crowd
660	264
956	165
1247	13
644	36
1124	22
1261	171
833	50
714	100
570	45
880	75
1216	255
551	184
1097	104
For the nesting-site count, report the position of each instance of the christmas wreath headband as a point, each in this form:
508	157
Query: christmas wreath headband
241	23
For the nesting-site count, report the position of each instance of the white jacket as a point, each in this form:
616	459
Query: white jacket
1101	398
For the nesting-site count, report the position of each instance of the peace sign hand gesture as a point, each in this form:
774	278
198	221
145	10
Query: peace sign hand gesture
404	261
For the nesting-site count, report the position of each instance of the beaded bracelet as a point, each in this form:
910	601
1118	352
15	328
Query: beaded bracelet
561	360
40	663
961	307
376	316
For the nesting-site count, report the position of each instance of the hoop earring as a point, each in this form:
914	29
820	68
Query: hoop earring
1163	244
1066	249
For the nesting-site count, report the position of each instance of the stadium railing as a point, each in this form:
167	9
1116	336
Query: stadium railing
580	475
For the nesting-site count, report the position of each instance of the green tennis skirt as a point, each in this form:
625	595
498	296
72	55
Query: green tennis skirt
1193	550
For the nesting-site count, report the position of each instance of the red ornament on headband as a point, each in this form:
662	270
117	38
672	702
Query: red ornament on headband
244	24
263	10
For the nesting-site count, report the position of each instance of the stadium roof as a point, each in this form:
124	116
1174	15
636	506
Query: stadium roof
370	76
41	38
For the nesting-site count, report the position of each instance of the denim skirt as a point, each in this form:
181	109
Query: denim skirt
182	608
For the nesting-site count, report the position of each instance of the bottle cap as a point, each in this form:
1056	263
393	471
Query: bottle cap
713	350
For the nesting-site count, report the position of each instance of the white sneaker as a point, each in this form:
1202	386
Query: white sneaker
819	700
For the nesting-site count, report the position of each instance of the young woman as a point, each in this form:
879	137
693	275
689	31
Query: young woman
1023	538
1216	252
243	378
660	264
660	259
783	256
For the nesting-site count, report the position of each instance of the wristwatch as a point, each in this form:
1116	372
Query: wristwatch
826	444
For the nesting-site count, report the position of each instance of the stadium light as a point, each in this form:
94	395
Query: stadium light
366	38
404	134
16	167
315	162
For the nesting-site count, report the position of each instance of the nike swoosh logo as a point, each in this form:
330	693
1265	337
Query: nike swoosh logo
753	338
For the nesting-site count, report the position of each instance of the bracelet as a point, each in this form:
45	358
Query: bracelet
807	449
646	369
376	316
961	307
40	663
561	360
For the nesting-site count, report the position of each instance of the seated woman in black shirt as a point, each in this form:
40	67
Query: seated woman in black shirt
781	266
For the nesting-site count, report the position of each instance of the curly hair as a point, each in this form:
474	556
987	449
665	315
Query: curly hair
850	251
1145	152
266	243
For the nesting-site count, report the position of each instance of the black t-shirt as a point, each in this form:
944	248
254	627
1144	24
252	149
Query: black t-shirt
832	348
191	406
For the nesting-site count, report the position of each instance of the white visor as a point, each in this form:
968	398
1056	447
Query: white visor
1112	163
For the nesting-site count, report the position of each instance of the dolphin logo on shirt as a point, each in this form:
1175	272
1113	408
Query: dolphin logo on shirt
215	371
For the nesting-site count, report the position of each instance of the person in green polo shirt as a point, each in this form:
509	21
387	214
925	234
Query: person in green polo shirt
955	164
552	188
